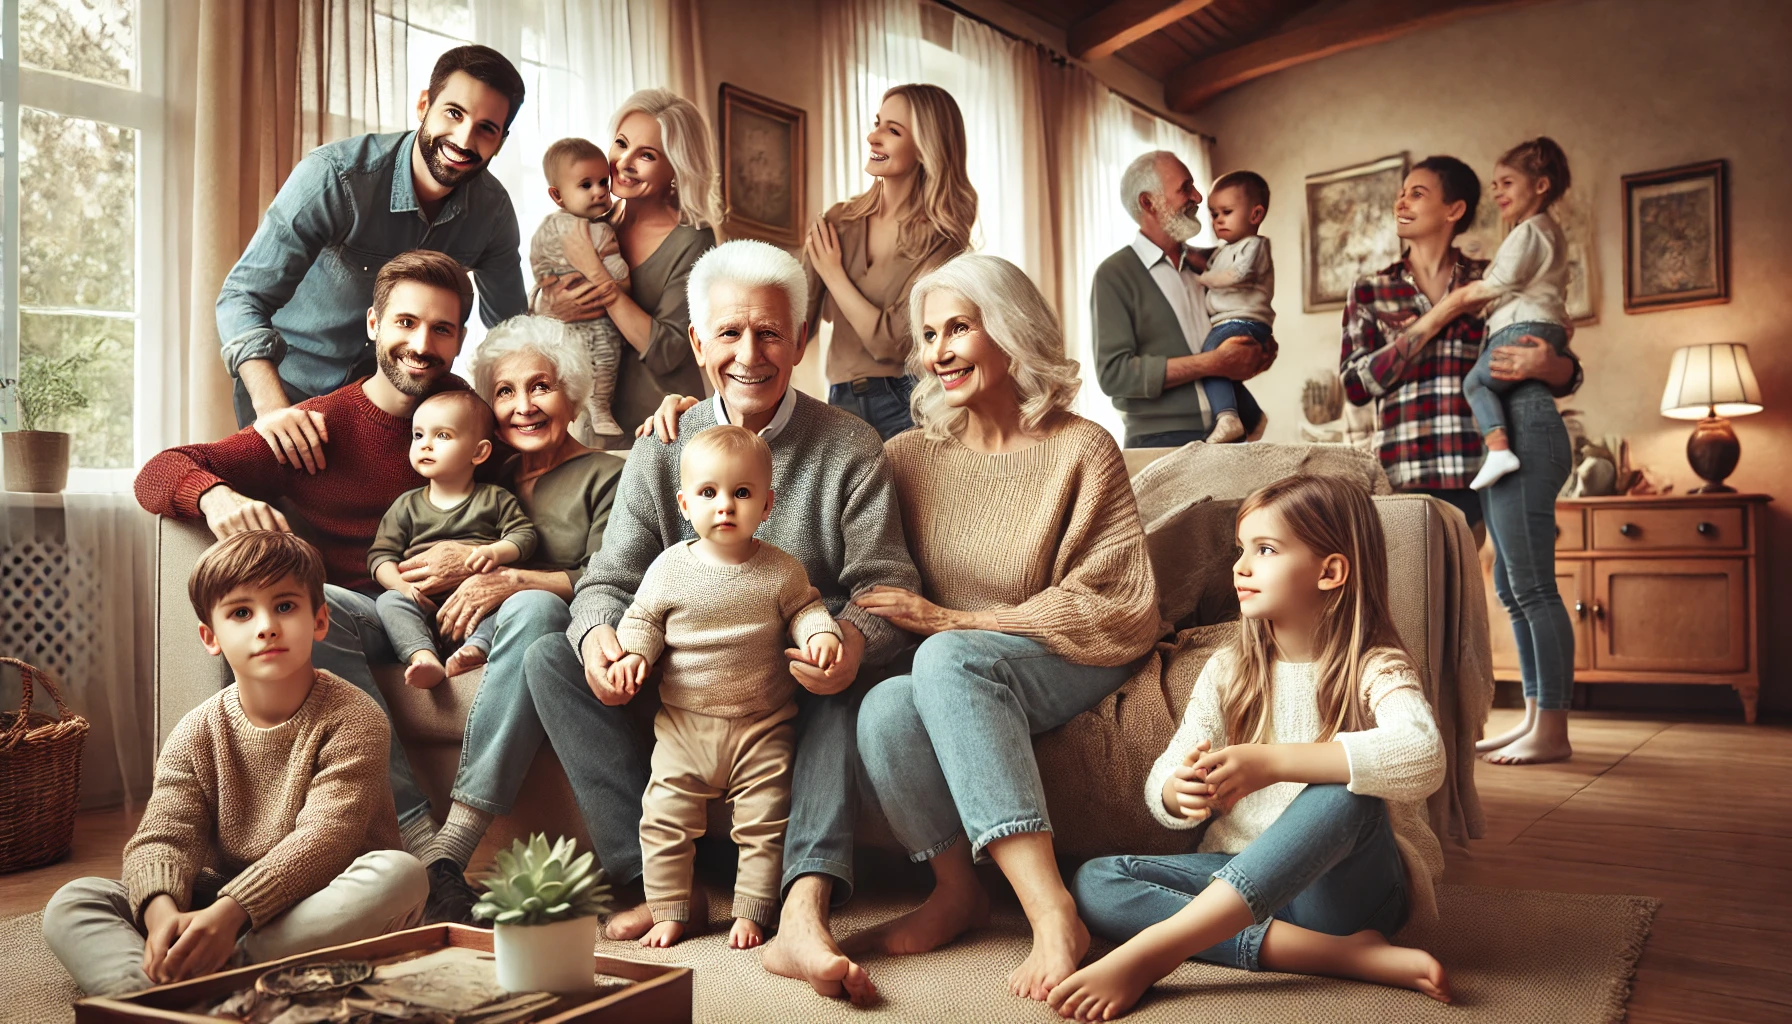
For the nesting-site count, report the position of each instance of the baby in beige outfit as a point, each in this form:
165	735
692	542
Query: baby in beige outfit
719	609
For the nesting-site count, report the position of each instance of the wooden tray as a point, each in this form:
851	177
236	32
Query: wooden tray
660	994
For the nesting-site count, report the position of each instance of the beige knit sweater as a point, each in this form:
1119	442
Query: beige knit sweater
1048	537
1400	758
724	629
274	814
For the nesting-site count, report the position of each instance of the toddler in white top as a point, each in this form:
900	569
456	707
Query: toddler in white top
1523	292
1240	278
578	240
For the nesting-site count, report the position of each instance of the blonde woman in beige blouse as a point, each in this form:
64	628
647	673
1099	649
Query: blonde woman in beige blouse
1037	593
863	255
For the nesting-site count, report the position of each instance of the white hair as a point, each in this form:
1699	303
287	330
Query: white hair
1020	322
1141	176
746	263
544	336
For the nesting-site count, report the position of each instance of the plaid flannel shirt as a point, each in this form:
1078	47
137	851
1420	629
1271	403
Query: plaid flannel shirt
1427	437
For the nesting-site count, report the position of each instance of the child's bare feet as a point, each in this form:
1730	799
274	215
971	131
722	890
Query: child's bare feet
464	660
1532	748
1371	957
663	934
745	934
1059	941
1517	732
425	671
947	913
1112	985
628	924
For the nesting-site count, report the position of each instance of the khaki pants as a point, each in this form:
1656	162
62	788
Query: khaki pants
90	927
698	758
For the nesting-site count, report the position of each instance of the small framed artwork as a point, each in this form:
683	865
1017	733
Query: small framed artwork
763	163
1676	238
1350	228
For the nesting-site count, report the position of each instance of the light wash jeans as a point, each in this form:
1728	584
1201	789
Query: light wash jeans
1486	393
356	642
948	748
503	730
1521	519
1328	864
409	628
91	926
1223	393
879	401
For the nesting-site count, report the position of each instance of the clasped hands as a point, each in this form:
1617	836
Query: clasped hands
1210	782
472	572
825	665
187	944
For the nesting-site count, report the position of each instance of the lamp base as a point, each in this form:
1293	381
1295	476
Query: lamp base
1713	452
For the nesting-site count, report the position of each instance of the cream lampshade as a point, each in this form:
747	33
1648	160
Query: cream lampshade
1709	383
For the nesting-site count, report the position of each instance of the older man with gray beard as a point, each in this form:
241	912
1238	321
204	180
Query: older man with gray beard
835	512
1150	316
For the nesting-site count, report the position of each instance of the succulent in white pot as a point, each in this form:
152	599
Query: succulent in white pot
543	904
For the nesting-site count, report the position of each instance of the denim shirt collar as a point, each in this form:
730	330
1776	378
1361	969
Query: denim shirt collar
404	190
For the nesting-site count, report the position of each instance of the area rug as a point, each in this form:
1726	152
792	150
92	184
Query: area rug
1514	957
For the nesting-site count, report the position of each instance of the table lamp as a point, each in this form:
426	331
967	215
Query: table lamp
1709	383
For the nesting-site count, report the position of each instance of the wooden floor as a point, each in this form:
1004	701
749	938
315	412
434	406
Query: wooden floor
1695	812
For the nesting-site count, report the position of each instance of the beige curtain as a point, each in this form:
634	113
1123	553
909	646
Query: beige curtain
352	73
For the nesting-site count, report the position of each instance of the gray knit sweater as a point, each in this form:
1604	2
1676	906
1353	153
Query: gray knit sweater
835	511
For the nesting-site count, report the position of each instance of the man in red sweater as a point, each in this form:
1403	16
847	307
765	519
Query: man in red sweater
421	301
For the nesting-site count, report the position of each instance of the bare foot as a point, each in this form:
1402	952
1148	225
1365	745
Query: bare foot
628	924
806	952
1059	942
946	914
466	659
1112	985
745	934
1373	958
425	671
666	933
1533	748
1512	735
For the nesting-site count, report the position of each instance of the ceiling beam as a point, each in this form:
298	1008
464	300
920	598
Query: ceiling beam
1128	21
1377	21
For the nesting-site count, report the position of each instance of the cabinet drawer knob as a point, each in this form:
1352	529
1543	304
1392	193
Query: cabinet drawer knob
1706	529
1630	529
1598	610
1580	609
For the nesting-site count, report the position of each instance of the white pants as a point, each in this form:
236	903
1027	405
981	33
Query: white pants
90	927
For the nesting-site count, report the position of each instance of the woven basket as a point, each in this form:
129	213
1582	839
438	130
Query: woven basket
40	776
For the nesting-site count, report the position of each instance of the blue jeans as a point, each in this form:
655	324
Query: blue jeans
948	748
879	401
410	629
1248	411
1223	393
1484	393
356	641
1521	520
602	755
1328	864
503	729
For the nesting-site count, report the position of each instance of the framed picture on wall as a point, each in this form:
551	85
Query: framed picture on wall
1676	238
1350	228
762	168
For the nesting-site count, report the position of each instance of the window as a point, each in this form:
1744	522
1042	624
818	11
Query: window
81	130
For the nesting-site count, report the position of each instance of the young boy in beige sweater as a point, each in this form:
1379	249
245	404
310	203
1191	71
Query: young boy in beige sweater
270	830
719	609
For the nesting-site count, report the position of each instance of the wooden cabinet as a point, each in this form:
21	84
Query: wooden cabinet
1660	590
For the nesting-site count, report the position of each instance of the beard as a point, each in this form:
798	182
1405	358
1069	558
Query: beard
1180	225
404	383
446	176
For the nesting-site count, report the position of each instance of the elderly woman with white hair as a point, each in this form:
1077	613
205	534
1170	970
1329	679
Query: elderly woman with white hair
1037	593
536	384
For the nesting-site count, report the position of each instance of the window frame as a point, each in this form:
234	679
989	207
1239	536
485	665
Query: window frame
142	109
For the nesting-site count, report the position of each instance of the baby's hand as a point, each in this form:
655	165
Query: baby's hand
824	650
482	559
628	673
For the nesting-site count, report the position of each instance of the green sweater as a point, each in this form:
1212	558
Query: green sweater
1136	334
413	524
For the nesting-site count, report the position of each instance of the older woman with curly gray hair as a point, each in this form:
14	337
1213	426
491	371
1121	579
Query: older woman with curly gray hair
536	383
1037	594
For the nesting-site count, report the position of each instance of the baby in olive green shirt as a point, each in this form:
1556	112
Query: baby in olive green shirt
451	434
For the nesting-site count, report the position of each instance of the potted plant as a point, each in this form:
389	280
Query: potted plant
47	390
543	904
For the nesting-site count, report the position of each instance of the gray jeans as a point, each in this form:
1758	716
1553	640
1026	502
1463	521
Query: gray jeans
948	748
356	642
90	924
410	629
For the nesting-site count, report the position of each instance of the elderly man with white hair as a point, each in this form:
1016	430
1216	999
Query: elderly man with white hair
835	511
1151	316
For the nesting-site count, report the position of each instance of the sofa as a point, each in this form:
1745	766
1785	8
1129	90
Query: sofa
1094	766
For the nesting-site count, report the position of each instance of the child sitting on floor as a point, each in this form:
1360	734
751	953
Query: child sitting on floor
1312	749
577	239
1240	279
719	608
270	830
451	434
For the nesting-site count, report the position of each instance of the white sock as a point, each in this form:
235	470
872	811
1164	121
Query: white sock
1227	427
1498	463
459	837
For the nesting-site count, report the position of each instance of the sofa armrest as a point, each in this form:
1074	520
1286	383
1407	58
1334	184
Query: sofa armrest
185	675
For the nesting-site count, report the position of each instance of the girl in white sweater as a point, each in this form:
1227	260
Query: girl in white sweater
1308	751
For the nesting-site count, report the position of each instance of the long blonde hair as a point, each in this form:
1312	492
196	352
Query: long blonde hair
942	204
1020	322
696	188
1330	515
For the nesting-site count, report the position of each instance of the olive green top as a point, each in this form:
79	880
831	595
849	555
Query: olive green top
667	367
570	507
